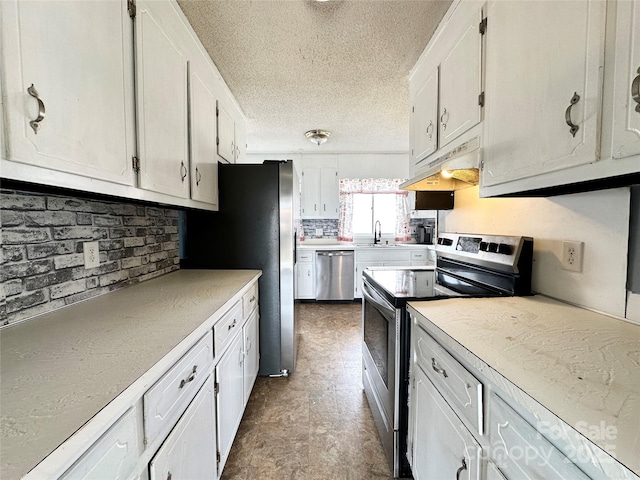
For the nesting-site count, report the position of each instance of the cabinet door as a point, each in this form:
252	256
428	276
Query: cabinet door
226	135
521	452
161	75
424	118
229	402
442	445
190	449
251	353
114	455
240	137
306	281
85	85
310	192
626	65
493	472
204	163
329	204
460	75
530	87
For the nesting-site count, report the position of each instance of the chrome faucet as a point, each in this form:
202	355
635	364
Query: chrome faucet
377	232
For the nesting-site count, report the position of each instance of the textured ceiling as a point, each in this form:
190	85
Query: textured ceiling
297	65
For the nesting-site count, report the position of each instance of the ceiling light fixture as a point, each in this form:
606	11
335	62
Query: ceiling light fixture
317	136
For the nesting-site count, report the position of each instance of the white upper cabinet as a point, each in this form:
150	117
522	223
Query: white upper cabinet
424	116
226	135
625	74
320	197
161	75
543	87
460	76
204	163
446	85
231	132
67	92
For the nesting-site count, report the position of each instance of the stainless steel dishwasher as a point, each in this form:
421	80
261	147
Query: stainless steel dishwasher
334	275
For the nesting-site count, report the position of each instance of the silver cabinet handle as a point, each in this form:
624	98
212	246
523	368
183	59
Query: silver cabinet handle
635	91
35	124
430	129
442	119
567	114
232	325
462	468
435	366
198	177
183	171
190	378
169	476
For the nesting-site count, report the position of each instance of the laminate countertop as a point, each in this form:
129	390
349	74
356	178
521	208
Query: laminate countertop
60	369
582	366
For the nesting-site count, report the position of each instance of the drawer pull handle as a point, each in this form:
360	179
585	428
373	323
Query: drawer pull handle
169	476
35	124
635	91
444	120
190	378
430	129
198	177
462	468
435	366
253	299
232	325
567	114
183	171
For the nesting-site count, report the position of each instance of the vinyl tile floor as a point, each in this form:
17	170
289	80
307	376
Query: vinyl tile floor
316	423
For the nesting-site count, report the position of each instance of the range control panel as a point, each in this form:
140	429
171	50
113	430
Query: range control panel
481	249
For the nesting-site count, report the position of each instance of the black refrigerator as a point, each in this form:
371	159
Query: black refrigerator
255	228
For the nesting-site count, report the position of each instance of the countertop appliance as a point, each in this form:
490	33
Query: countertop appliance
425	234
334	274
468	265
255	228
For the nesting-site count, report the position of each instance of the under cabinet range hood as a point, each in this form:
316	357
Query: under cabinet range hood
457	169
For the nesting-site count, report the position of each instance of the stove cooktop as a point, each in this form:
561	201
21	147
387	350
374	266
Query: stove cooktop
401	284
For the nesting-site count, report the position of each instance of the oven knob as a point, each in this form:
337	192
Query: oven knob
493	247
504	248
440	241
484	246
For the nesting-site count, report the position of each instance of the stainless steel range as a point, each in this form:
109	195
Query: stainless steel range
469	265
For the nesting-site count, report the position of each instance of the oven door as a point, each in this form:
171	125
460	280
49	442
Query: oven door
380	322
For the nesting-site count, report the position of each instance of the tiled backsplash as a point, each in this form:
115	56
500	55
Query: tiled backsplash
42	260
329	228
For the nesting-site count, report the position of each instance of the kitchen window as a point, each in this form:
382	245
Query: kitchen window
365	201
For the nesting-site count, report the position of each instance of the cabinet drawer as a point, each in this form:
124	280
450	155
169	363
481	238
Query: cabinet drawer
227	327
168	398
461	389
521	452
419	256
114	455
249	301
305	256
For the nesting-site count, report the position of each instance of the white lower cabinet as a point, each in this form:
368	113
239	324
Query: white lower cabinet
442	446
305	274
251	333
115	455
230	397
521	452
189	450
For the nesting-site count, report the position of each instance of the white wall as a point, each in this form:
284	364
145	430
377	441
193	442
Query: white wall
350	165
599	219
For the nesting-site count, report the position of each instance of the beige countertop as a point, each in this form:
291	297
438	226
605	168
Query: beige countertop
327	244
582	366
58	370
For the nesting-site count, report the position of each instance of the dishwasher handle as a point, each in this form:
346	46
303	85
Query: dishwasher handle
340	253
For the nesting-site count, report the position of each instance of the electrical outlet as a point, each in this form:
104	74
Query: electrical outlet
91	254
572	255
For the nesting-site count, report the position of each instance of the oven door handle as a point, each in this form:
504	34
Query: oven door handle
378	301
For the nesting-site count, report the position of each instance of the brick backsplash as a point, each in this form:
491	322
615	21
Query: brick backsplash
42	253
329	228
